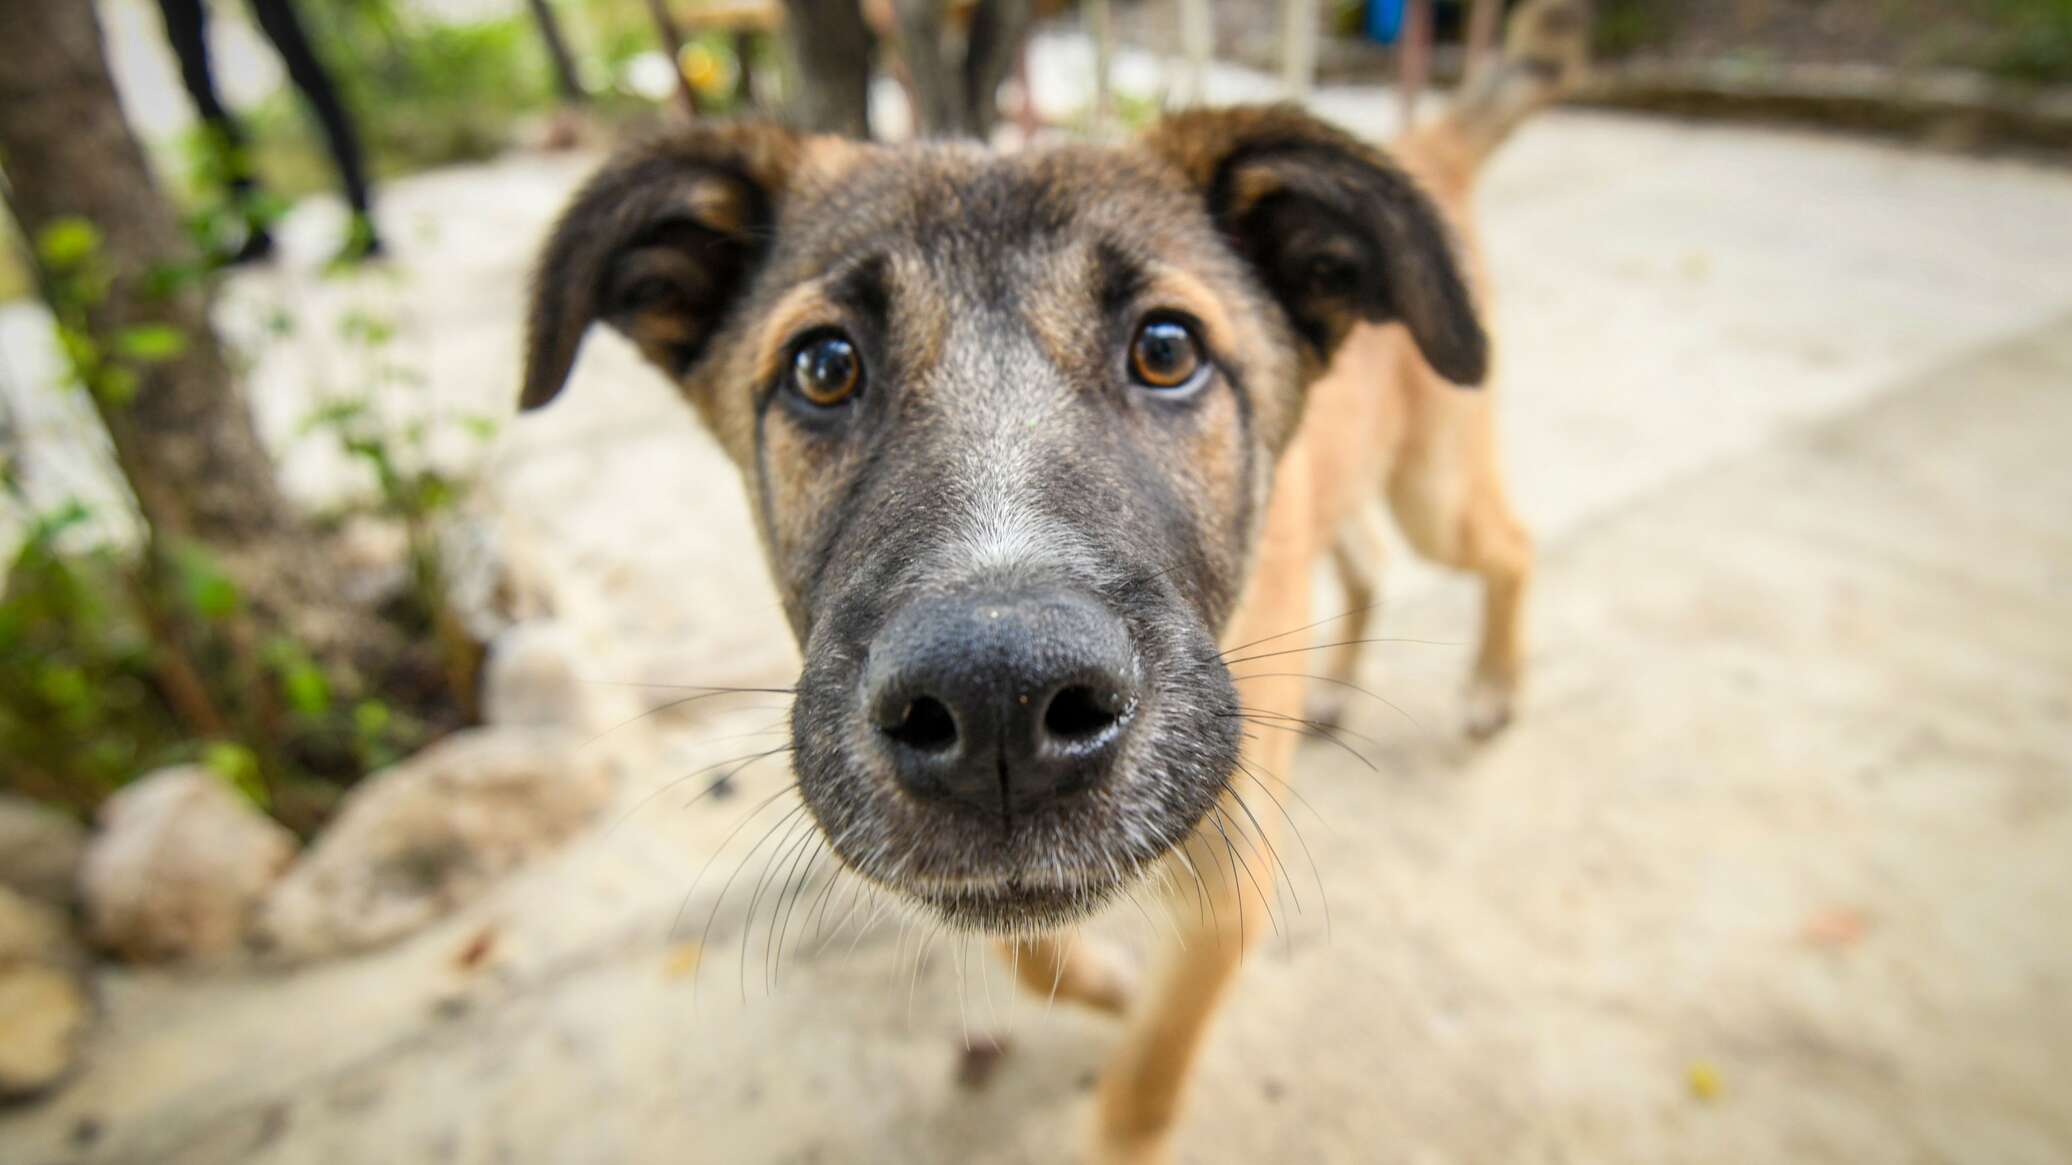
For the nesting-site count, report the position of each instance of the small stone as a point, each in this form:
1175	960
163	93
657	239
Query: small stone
43	1015
177	866
40	849
415	842
32	931
44	1008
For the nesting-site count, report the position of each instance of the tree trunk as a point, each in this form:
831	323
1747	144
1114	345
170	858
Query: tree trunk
992	49
183	437
831	51
566	78
937	87
671	37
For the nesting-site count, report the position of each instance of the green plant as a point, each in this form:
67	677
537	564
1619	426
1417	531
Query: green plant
2035	41
115	660
411	488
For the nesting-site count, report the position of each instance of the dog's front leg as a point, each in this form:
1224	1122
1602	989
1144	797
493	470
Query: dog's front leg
1220	893
1220	887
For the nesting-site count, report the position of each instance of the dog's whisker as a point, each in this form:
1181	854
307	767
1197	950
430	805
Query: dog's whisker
1057	974
705	936
765	803
777	856
1287	879
1260	773
1179	852
985	985
1216	818
1285	883
1306	627
717	689
1316	873
1343	683
824	860
1306	729
780	909
1321	726
1228	662
666	705
860	891
816	914
806	854
920	956
963	957
709	789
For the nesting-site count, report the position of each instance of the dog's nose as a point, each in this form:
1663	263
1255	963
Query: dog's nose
1001	701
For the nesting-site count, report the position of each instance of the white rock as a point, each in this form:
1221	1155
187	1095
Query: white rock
44	1009
533	680
177	866
39	850
414	842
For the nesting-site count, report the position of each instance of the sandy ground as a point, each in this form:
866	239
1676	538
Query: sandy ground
1776	866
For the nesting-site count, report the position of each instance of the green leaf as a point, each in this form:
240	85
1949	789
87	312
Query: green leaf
63	686
117	386
371	718
237	765
68	242
302	683
166	280
151	343
434	493
307	690
366	328
204	585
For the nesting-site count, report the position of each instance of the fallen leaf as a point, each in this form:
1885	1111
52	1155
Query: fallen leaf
477	950
682	960
1836	928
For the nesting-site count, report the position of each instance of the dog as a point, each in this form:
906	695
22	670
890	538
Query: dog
1041	448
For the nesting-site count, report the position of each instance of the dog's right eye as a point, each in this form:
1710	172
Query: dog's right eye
826	369
1164	355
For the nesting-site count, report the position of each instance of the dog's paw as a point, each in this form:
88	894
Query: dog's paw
1137	1152
1114	1144
1489	708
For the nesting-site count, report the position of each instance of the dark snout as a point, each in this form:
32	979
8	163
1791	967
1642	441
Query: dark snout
1002	702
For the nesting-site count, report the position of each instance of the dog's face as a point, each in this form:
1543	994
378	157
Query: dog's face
1008	425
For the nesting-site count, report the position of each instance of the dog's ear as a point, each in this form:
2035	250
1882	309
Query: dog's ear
1335	231
657	244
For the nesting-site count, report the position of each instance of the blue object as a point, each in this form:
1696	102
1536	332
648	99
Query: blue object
1385	20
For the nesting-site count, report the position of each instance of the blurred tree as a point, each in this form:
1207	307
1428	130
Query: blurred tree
119	274
831	48
957	54
566	79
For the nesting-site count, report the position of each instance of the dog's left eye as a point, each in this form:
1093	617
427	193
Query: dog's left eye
1165	355
827	369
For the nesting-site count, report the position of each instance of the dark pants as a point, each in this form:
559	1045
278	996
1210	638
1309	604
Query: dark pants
186	24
